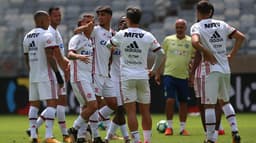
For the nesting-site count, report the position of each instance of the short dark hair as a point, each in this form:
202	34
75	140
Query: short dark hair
134	14
205	7
52	9
104	8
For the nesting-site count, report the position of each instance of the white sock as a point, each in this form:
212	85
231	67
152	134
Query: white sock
107	123
182	126
147	136
60	113
78	122
49	120
215	136
230	116
94	124
111	130
124	131
32	115
41	119
82	130
210	122
105	112
169	123
135	136
221	127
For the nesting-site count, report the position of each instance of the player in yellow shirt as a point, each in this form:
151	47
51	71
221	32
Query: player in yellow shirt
179	52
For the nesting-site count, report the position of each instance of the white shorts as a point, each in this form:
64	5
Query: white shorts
217	86
63	90
117	92
136	90
83	91
43	90
103	86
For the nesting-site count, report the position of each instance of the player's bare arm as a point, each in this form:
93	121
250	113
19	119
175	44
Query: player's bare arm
159	59
87	31
160	71
62	61
86	27
239	39
208	55
194	63
49	51
74	56
27	61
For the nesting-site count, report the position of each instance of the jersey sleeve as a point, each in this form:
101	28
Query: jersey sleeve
194	29
154	43
229	30
48	40
73	43
115	40
25	45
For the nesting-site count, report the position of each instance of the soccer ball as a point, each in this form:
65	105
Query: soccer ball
161	126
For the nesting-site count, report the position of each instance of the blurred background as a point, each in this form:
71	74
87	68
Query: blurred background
158	17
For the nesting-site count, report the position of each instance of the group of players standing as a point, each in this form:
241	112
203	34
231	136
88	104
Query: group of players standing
108	69
93	67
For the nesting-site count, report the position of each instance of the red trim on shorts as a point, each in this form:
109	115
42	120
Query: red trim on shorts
75	70
50	72
121	92
53	89
81	90
203	90
207	68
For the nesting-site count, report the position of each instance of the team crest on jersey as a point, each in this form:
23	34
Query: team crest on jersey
186	46
89	95
49	41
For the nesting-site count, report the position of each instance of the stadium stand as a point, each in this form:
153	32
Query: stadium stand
159	17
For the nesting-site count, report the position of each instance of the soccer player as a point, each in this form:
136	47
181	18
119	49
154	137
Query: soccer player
55	19
197	80
209	36
39	48
104	87
81	55
134	44
179	52
119	118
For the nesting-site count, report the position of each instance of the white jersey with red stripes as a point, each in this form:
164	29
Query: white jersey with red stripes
80	70
213	35
58	39
134	44
100	36
34	45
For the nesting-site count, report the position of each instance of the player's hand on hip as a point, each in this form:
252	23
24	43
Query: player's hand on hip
208	56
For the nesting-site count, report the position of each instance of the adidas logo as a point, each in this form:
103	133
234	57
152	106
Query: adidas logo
133	47
215	37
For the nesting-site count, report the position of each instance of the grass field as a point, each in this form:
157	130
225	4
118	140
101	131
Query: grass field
12	130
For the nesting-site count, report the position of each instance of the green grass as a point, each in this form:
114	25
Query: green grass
12	129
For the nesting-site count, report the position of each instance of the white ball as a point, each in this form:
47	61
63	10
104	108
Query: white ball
161	126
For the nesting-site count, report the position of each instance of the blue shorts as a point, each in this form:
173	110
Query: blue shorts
176	87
